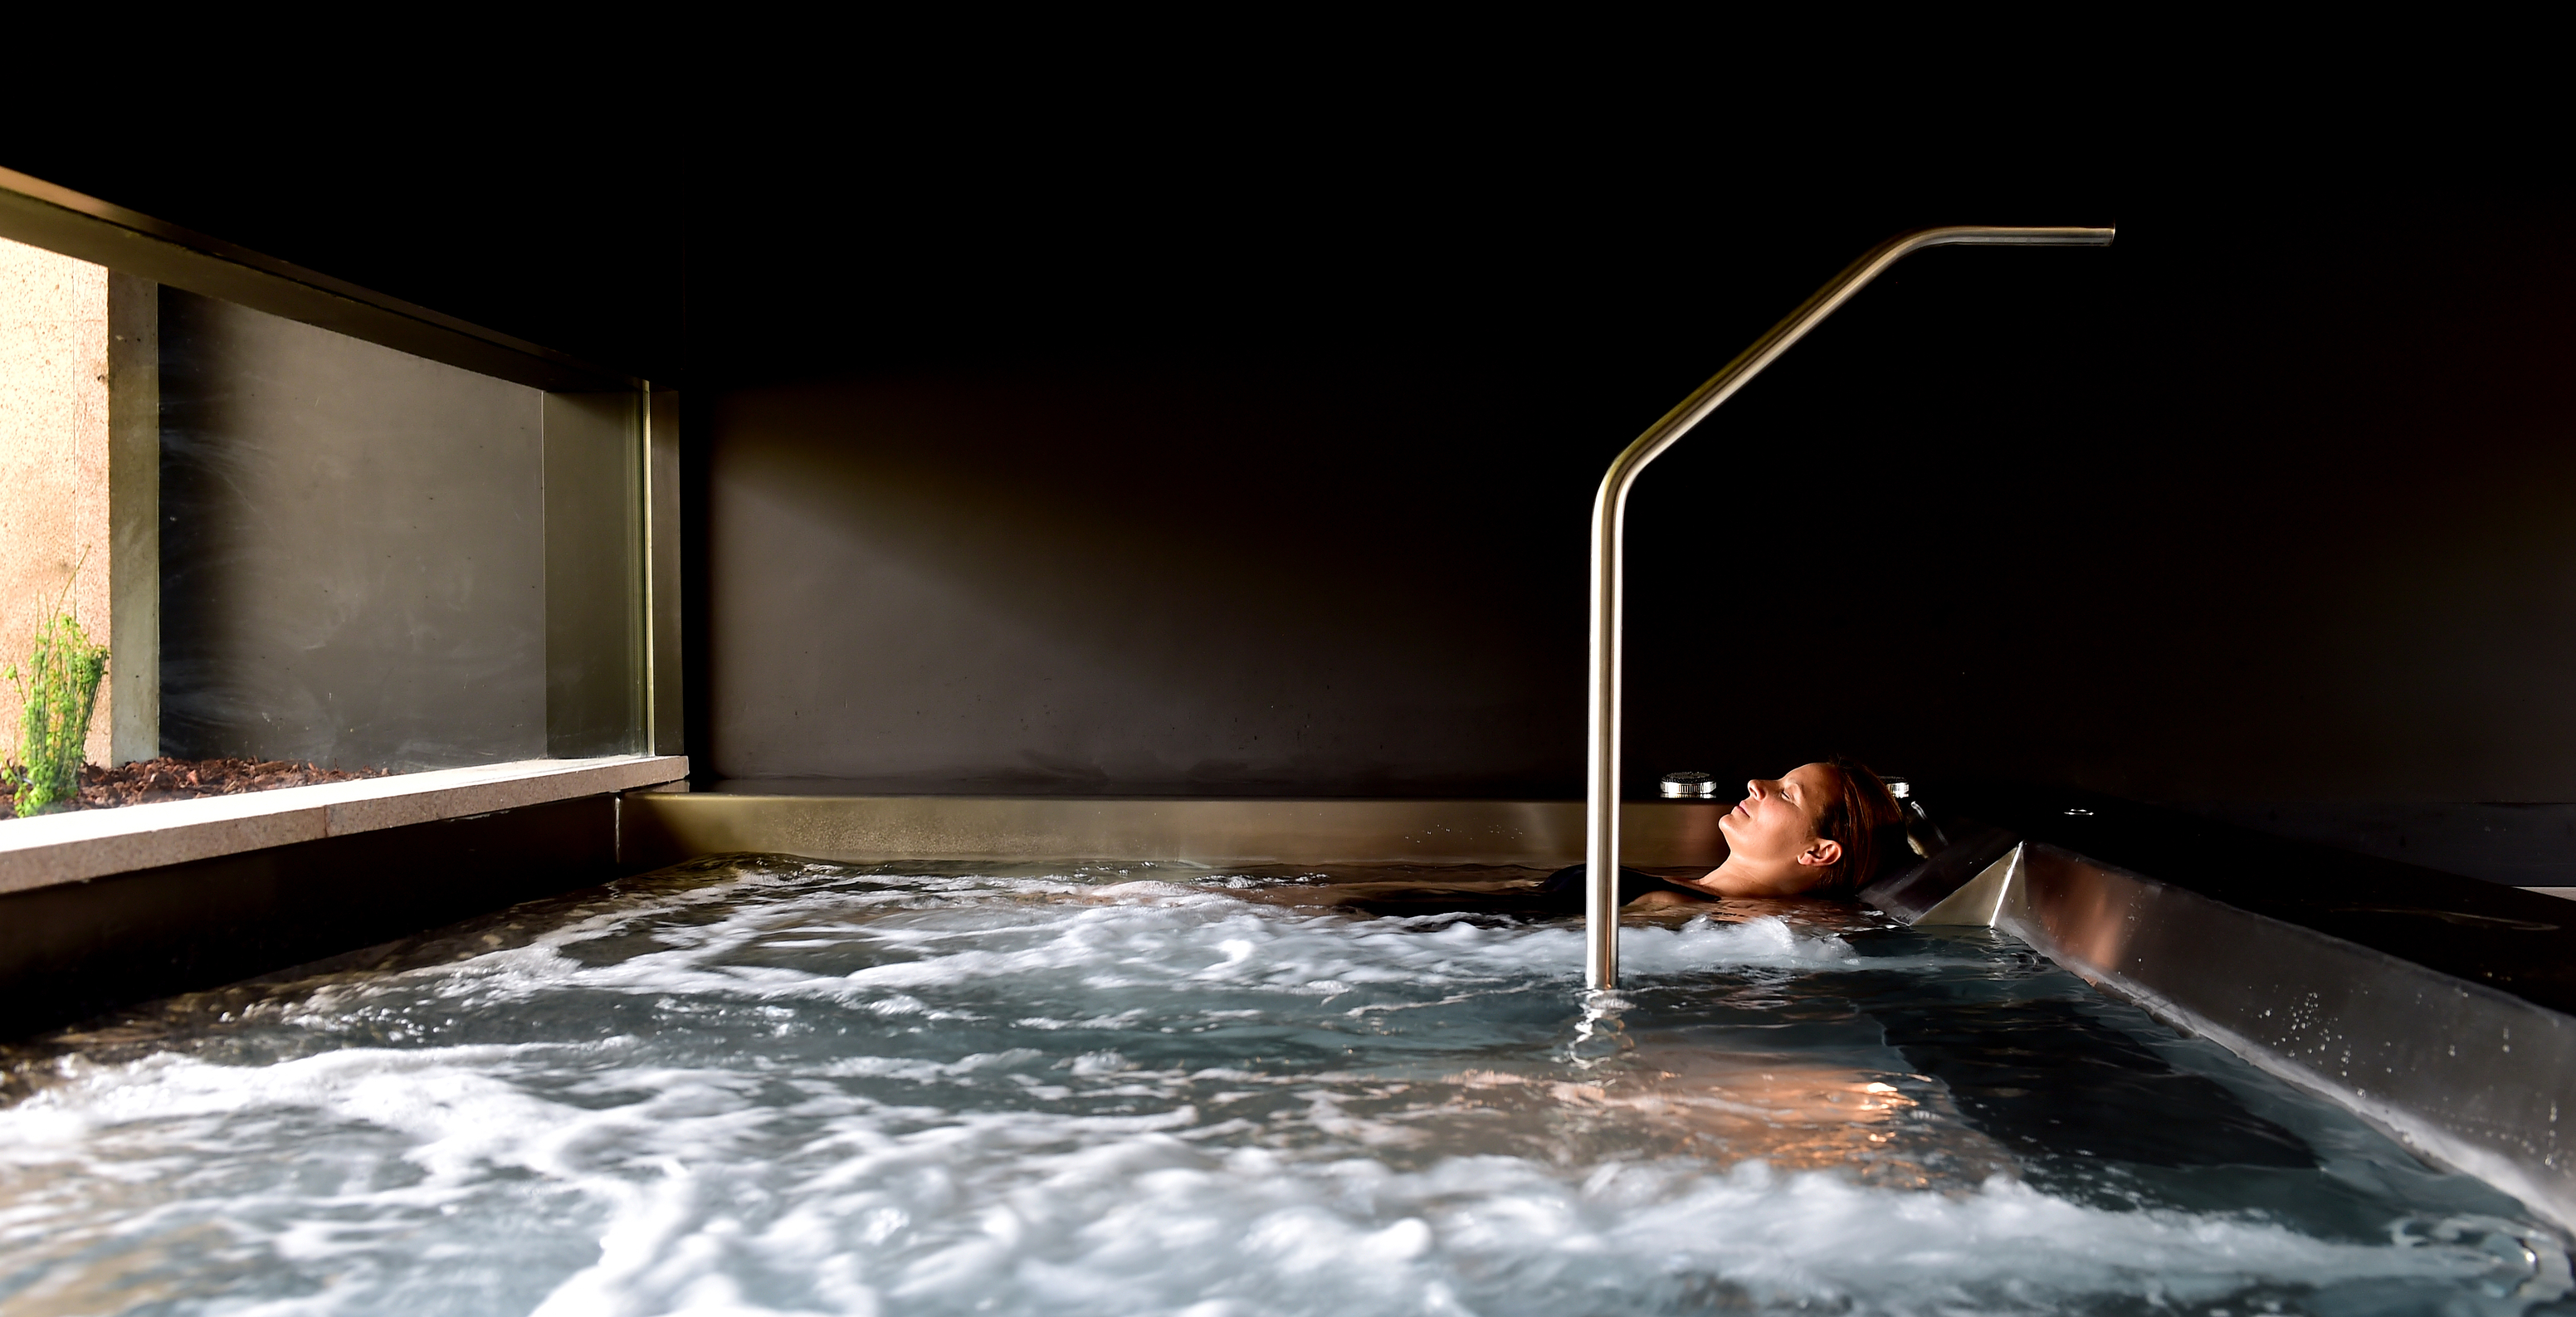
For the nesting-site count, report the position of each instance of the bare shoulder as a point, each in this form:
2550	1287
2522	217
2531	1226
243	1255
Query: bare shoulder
1669	899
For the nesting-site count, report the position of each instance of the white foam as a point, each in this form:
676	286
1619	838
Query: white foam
706	1210
1136	932
1047	1166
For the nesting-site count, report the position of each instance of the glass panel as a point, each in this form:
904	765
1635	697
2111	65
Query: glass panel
352	549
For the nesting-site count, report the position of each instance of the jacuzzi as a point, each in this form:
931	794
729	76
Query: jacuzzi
752	1082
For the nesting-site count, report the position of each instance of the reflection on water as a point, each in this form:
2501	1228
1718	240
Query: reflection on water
779	1086
1792	1114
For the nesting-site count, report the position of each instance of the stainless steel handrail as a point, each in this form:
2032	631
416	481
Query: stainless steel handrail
1609	523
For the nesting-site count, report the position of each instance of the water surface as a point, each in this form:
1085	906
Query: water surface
763	1085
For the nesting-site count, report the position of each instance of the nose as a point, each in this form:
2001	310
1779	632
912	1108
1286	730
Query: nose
1753	788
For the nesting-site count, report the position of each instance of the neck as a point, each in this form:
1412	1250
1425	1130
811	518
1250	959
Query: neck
1739	876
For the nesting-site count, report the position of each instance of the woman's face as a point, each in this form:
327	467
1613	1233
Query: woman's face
1775	823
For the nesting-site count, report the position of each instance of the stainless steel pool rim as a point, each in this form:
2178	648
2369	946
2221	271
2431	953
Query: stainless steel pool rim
1609	525
2466	1075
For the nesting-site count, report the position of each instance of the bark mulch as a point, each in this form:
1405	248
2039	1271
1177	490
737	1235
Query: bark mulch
147	780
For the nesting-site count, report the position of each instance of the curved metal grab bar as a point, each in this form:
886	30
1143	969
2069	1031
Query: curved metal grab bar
1609	524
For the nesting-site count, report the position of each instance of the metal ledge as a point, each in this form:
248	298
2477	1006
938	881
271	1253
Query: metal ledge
2467	1075
86	844
2512	939
665	829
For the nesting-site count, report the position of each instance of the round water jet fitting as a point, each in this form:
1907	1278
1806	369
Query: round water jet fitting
1688	786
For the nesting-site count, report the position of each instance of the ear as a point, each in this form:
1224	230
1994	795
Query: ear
1825	853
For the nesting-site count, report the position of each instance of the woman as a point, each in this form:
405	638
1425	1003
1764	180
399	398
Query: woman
1819	830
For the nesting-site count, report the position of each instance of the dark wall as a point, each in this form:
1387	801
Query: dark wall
2242	521
1133	575
2194	519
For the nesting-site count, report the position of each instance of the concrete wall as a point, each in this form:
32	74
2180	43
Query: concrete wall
54	469
1122	579
353	565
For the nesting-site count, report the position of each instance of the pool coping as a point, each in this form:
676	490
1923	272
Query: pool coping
867	828
81	845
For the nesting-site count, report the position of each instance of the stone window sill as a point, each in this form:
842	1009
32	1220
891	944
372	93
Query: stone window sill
85	844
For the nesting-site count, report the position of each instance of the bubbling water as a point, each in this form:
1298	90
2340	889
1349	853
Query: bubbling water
761	1085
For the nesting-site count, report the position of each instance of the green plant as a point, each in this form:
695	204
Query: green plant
57	693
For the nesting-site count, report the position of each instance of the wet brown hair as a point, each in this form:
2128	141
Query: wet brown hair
1859	819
